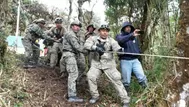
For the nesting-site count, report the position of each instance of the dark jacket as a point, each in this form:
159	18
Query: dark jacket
128	42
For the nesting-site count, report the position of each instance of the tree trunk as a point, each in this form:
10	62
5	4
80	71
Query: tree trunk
182	45
70	10
80	11
144	25
3	13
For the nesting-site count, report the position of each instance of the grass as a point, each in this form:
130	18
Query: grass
11	82
153	96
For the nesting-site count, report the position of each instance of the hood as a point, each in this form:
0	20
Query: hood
127	24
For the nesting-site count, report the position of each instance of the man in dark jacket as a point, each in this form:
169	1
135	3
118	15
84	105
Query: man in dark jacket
130	63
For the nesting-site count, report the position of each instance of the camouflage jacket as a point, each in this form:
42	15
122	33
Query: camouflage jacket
81	37
34	32
57	33
87	35
71	44
107	59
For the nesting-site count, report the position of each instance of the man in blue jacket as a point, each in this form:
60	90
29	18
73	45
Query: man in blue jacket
130	63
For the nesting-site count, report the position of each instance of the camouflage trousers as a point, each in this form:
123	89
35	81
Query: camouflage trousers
114	75
53	53
89	59
47	58
70	64
80	60
32	52
81	65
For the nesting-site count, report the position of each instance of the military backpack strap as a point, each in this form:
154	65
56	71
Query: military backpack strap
57	33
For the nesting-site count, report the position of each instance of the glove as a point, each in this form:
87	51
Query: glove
85	52
36	44
100	50
58	41
120	54
121	50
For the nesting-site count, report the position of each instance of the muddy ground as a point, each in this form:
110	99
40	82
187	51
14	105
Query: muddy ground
45	88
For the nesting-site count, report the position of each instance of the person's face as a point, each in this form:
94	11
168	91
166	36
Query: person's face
42	25
103	33
59	25
75	28
127	29
90	29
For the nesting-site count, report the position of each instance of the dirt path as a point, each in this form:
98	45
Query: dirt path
46	89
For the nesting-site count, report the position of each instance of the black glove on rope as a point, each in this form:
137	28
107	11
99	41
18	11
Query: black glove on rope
100	48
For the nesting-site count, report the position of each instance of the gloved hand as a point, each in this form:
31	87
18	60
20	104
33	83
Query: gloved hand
100	50
85	52
121	50
121	54
58	41
36	44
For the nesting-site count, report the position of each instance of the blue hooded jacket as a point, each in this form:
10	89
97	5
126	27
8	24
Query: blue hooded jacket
128	42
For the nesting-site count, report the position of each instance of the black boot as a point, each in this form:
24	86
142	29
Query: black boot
28	66
127	88
143	84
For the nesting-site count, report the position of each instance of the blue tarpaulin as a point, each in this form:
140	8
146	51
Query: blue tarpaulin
12	41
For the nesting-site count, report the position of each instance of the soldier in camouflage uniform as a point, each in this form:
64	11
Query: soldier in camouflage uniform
48	44
90	32
57	33
32	51
80	57
72	47
104	63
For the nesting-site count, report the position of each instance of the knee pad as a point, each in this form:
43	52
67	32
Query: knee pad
116	76
91	77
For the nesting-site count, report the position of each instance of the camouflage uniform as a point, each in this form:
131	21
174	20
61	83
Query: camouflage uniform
80	56
87	35
104	64
55	47
71	47
32	51
91	54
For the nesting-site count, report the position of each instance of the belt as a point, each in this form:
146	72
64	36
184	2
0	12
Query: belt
65	50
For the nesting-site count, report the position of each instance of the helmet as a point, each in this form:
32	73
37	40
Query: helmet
76	22
104	27
58	20
40	20
91	25
34	21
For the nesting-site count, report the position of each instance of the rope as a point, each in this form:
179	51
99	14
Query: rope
139	54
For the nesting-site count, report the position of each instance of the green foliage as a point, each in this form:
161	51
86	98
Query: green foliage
156	92
11	88
18	104
144	15
3	48
20	96
26	1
